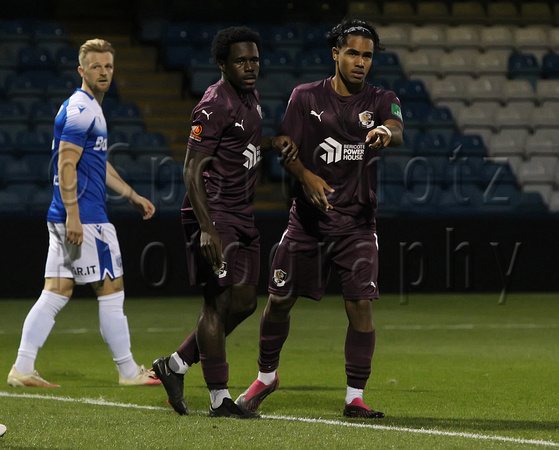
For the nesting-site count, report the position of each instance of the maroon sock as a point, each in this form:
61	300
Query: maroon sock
272	338
215	370
359	349
188	351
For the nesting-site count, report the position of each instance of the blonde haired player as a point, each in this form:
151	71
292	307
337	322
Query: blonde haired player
83	246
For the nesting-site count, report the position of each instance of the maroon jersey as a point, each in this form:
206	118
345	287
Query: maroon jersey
330	131
229	131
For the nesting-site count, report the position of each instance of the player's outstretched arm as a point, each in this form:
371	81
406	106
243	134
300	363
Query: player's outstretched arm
390	133
118	185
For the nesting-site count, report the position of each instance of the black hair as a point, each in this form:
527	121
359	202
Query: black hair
221	45
337	37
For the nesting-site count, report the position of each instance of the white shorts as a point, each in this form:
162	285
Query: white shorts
97	257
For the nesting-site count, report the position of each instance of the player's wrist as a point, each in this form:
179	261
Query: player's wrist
385	128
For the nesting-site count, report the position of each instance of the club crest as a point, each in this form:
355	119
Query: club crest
366	119
279	277
221	272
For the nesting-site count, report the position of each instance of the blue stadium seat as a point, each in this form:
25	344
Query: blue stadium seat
315	63
387	65
414	114
468	145
431	144
35	59
524	65
11	204
43	112
550	66
175	56
7	146
148	144
60	88
39	201
124	114
66	58
410	90
200	79
15	30
33	142
49	30
441	122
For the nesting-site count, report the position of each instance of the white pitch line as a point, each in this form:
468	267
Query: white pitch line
101	402
471	326
409	327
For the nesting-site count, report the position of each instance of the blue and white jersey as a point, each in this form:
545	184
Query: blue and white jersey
80	121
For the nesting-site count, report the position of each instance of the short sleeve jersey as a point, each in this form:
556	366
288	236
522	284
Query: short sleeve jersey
80	121
229	130
330	131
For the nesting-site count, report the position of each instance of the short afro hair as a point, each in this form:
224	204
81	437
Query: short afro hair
337	37
221	45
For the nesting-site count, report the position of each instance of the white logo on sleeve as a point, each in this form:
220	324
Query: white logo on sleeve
240	125
208	114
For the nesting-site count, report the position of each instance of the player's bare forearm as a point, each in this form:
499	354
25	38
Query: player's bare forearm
210	242
315	187
68	158
117	184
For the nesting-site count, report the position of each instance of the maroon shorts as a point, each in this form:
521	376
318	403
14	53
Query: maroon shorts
302	265
241	253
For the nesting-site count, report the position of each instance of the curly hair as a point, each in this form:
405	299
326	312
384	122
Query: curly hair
337	37
221	45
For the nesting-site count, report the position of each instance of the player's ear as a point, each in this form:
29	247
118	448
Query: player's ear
221	65
335	53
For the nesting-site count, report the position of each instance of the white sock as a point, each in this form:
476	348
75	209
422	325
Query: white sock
352	394
177	365
267	378
114	329
36	329
217	396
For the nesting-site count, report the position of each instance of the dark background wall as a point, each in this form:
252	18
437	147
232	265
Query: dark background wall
417	255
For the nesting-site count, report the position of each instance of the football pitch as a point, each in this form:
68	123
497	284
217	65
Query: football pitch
450	371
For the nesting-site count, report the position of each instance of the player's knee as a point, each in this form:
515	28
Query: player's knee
280	305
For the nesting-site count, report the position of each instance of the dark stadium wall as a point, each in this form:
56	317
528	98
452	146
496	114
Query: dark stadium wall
500	255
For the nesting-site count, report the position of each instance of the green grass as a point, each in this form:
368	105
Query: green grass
449	363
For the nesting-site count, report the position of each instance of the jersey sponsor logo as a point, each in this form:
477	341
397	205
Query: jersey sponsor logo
100	144
221	272
253	157
317	115
252	154
240	125
336	152
195	133
279	277
84	271
208	114
396	111
333	151
366	119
